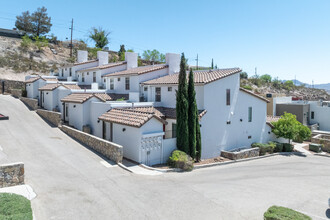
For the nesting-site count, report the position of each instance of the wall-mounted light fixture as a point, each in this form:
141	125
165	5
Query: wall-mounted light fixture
74	106
98	121
124	129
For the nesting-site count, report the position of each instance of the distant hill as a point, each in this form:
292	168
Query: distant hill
325	86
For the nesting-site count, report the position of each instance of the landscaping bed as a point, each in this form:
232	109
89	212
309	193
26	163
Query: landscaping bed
14	207
282	213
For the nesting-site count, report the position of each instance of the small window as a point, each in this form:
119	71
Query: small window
87	73
94	76
249	137
65	69
228	96
250	114
145	88
70	71
104	80
169	89
83	77
312	115
66	110
118	79
173	130
127	83
112	84
158	94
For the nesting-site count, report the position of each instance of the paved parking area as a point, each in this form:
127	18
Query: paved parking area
72	182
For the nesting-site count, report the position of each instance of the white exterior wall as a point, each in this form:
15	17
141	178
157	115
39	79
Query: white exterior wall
32	89
97	109
61	93
75	68
79	116
321	115
48	101
168	98
135	80
217	135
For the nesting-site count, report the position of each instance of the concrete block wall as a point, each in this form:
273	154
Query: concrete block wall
11	174
53	117
108	149
31	103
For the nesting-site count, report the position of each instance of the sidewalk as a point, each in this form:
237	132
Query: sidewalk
300	148
23	190
137	169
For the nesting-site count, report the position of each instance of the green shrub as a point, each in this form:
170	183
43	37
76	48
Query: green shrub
279	147
247	87
265	148
282	213
180	159
15	207
287	147
315	147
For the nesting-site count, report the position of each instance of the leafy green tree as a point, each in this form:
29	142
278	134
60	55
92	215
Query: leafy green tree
192	115
26	43
162	57
182	109
121	52
243	75
288	127
41	23
24	23
40	42
266	78
304	133
153	55
288	85
99	36
276	83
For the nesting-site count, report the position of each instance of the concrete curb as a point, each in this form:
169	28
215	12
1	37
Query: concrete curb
196	167
322	155
125	167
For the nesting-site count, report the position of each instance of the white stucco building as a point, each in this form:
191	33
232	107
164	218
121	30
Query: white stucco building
320	114
34	82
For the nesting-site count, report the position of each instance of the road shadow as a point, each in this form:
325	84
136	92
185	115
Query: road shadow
48	122
290	154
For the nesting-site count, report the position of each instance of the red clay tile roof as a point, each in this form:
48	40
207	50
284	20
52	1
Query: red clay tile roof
110	65
256	95
83	97
138	70
52	86
200	76
271	119
71	86
135	117
33	79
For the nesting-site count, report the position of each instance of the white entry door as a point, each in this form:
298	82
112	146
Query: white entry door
151	150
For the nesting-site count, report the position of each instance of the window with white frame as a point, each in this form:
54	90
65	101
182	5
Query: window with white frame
112	86
158	94
83	77
127	83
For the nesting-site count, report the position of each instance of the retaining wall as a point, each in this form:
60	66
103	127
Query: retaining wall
16	93
108	149
32	103
324	140
53	117
246	153
11	174
9	85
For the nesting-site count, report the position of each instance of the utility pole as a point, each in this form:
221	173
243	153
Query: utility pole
197	62
71	45
255	71
295	80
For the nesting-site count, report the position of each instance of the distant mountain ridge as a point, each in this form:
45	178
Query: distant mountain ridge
325	86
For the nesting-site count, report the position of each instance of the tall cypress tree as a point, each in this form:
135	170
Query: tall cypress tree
192	114
212	64
182	140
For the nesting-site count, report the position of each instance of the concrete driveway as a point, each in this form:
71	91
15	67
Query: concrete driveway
72	182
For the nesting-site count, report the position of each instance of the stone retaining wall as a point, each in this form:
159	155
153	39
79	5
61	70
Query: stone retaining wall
32	103
11	174
16	93
108	149
11	84
53	117
324	140
246	153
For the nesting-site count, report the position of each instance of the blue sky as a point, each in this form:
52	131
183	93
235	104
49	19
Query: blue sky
281	38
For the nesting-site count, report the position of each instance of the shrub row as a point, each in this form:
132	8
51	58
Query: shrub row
273	147
281	213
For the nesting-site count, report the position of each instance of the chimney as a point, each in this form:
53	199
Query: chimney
103	57
173	62
82	56
131	59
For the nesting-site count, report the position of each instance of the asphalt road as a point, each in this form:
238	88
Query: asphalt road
72	182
